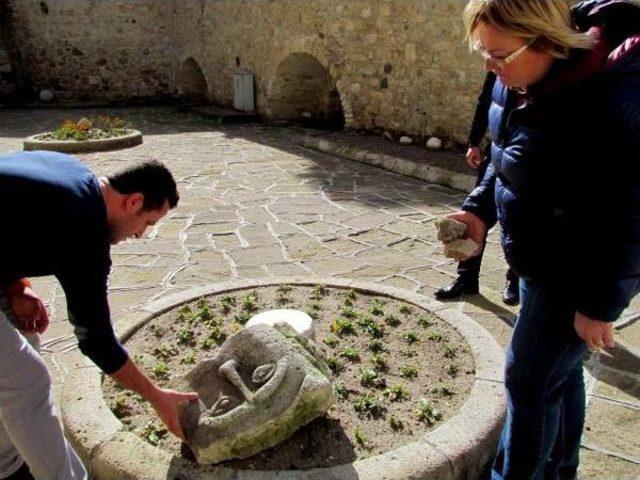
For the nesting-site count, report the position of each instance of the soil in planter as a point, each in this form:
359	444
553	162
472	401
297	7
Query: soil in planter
399	371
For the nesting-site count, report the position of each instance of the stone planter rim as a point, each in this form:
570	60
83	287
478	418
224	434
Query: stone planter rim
130	139
452	451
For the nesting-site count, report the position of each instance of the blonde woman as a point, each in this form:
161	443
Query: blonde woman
565	183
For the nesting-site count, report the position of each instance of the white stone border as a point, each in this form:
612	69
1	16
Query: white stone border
457	450
134	137
402	166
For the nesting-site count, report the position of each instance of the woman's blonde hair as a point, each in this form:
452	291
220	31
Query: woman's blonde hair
547	20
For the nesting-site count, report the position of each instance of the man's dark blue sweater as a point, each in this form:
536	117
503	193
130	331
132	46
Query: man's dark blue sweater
55	223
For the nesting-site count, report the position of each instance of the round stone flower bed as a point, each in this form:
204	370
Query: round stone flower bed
44	141
418	386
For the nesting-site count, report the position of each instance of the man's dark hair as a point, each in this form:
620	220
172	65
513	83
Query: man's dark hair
152	179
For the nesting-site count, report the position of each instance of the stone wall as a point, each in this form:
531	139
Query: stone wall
88	49
7	84
7	77
400	65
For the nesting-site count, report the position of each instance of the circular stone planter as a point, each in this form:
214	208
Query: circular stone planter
458	449
131	139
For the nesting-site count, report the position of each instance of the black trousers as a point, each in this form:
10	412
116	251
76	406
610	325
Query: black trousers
469	270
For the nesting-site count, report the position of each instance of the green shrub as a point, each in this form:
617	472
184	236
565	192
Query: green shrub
376	346
406	310
451	369
392	320
408	371
376	309
436	336
160	370
341	391
318	292
342	326
349	312
351	354
188	359
424	322
331	342
371	378
450	351
426	413
371	327
360	439
185	336
444	390
249	302
242	317
397	393
380	362
369	405
411	337
157	330
227	302
395	423
334	365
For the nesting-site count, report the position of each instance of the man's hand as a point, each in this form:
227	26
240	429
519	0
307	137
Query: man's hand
595	333
476	230
29	311
474	157
166	403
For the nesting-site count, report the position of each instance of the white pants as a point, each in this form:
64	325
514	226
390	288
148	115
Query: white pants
30	430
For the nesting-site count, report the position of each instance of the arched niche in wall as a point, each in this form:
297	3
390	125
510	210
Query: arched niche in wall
191	81
303	90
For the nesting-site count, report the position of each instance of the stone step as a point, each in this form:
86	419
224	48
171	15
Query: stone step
221	115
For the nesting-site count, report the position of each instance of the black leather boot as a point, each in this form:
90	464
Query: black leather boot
511	294
456	289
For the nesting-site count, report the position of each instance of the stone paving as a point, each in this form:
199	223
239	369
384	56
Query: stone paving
255	203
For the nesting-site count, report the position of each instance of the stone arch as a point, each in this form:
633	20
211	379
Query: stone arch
192	83
303	89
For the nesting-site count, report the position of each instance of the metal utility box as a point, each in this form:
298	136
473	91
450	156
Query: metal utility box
243	93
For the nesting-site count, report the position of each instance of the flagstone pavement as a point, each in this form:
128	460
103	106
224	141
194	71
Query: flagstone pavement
254	203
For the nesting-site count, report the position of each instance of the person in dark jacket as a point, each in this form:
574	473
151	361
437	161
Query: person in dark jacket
469	270
60	219
564	183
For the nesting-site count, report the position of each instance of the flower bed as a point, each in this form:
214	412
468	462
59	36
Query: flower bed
398	370
99	134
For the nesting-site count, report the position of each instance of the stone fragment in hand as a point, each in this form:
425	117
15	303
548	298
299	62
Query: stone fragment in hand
463	247
449	230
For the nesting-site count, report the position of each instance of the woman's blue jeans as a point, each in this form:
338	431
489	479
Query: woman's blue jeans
545	389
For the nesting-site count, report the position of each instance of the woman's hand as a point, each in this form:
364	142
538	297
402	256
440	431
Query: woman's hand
474	157
476	230
595	333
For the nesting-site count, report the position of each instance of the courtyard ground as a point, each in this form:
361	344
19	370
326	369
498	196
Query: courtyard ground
256	203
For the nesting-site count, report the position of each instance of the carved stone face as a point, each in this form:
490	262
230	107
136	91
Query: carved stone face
263	384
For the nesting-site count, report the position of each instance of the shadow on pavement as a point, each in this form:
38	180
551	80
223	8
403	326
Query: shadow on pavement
618	367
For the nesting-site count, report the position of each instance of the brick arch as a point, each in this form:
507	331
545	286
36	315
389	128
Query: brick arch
191	81
306	84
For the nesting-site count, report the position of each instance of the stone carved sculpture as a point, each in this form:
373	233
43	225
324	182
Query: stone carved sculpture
264	384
